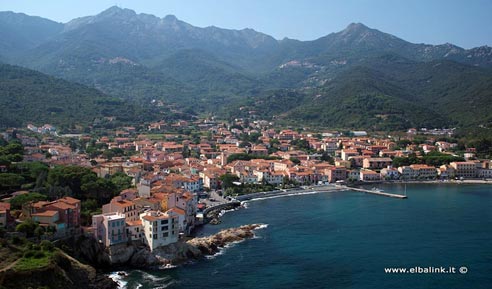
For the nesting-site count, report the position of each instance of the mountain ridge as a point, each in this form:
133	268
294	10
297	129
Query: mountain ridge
139	57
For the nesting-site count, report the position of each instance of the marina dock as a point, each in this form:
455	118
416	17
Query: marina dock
378	192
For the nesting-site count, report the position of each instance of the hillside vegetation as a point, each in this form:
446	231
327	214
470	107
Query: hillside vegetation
27	96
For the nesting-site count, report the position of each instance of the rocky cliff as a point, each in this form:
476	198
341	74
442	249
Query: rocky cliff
64	272
139	256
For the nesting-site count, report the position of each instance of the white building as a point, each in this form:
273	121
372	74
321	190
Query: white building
269	177
407	173
390	173
159	229
181	214
194	184
188	202
329	147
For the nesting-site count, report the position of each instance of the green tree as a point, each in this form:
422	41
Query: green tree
30	170
39	231
46	245
17	201
228	179
99	189
121	181
295	160
327	158
186	152
9	180
72	177
27	227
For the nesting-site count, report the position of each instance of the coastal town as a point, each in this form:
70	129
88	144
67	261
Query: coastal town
176	173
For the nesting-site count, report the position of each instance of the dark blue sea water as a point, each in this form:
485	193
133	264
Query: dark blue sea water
346	239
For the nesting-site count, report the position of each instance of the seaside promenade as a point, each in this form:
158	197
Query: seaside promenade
221	203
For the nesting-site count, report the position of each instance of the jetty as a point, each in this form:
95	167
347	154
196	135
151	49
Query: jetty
377	192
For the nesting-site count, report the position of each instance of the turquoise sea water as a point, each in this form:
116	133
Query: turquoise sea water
346	239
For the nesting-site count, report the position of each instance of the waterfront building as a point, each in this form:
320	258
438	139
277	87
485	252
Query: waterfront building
465	169
269	177
390	173
368	175
159	229
446	172
109	229
485	173
424	171
336	174
406	173
134	230
353	175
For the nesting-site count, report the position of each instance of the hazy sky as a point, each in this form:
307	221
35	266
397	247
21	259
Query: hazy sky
467	23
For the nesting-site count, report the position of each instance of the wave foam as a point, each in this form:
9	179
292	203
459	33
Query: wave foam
262	226
167	266
223	249
153	278
118	278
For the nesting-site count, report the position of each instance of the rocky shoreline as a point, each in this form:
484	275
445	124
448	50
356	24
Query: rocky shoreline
139	256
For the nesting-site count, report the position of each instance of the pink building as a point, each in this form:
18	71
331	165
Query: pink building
109	229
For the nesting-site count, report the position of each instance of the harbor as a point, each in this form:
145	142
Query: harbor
236	201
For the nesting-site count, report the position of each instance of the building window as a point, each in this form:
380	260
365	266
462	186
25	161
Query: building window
163	222
165	234
155	236
164	228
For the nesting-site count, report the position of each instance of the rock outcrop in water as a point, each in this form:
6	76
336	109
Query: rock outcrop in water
212	244
139	256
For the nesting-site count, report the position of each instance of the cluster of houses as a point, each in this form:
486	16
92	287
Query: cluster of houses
61	217
154	214
45	129
155	217
355	158
169	173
